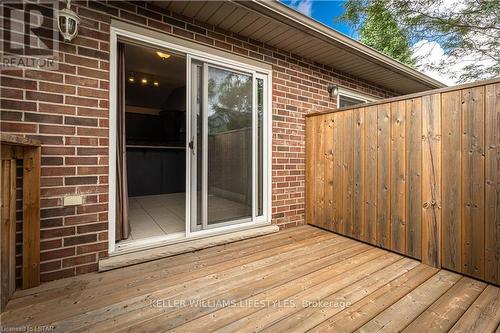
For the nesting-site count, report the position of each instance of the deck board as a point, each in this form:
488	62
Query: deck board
300	279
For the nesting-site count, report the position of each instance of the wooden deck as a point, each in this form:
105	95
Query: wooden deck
296	280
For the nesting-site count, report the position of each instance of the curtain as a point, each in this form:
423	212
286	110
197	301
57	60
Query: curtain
122	222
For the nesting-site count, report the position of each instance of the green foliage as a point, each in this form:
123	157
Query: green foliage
381	31
468	31
230	101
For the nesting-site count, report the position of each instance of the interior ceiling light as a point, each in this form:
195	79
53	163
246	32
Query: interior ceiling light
163	55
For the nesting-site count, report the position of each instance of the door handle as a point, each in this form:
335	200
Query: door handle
191	145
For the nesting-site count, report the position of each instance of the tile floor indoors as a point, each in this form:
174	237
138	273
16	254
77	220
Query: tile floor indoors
156	215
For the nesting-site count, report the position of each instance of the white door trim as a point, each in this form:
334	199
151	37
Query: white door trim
117	33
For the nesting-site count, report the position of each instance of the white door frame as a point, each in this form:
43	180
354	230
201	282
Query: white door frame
117	33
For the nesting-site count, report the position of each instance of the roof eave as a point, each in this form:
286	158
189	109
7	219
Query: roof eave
287	15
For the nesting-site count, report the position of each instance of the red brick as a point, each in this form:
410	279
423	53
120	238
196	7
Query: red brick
11	93
93	93
83	239
80	121
55	212
81	61
57	88
51	98
80	260
46	277
80	180
82	81
58	232
50	266
80	160
75	156
72	100
11	115
58	150
92	248
80	219
52	160
92	170
56	254
92	73
43	75
53	181
18	83
83	229
57	171
53	129
18	127
86	268
91	131
50	244
56	108
9	104
42	118
92	151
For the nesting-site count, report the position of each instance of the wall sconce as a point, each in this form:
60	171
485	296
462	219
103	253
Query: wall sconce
333	90
68	22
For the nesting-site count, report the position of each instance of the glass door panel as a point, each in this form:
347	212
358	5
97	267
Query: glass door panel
229	127
227	109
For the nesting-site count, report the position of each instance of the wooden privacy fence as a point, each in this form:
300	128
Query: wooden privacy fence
417	174
15	148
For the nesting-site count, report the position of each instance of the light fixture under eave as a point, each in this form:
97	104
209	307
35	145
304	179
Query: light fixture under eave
68	22
156	83
333	90
144	81
163	55
131	79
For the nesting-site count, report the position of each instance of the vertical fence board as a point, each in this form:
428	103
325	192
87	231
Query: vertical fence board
310	168
383	177
473	182
431	180
371	174
319	190
492	226
419	176
451	202
414	179
398	177
358	174
341	181
329	181
347	176
337	173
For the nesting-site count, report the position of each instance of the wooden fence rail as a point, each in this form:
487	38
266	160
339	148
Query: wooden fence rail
417	174
15	148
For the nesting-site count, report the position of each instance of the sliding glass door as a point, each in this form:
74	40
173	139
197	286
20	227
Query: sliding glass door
227	106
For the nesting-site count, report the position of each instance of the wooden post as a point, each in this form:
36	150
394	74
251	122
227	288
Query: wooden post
31	217
14	148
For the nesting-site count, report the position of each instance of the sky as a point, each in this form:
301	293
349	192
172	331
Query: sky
325	11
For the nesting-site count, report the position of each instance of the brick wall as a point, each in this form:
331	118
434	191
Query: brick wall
67	110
